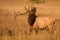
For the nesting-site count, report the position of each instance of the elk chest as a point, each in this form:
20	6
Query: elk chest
31	19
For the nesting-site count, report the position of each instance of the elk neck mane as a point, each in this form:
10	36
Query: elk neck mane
32	16
31	19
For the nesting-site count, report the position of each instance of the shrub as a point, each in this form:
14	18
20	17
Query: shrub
37	1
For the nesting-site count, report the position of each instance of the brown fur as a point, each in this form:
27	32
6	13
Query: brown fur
32	16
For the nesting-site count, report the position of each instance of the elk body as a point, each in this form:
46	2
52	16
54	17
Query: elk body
43	23
39	22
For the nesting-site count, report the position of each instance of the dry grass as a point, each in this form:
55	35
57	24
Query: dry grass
18	29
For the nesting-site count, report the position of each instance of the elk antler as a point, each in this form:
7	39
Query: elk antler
27	10
18	14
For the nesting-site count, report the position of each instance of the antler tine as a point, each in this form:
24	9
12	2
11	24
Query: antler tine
15	15
22	13
29	7
19	13
26	9
32	6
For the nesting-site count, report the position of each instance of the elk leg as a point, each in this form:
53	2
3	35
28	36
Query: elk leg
30	31
36	30
51	31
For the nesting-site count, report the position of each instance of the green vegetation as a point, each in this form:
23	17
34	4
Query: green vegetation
37	1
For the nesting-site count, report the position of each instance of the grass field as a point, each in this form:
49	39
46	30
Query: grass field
18	29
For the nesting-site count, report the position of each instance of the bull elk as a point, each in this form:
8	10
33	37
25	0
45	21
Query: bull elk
38	22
